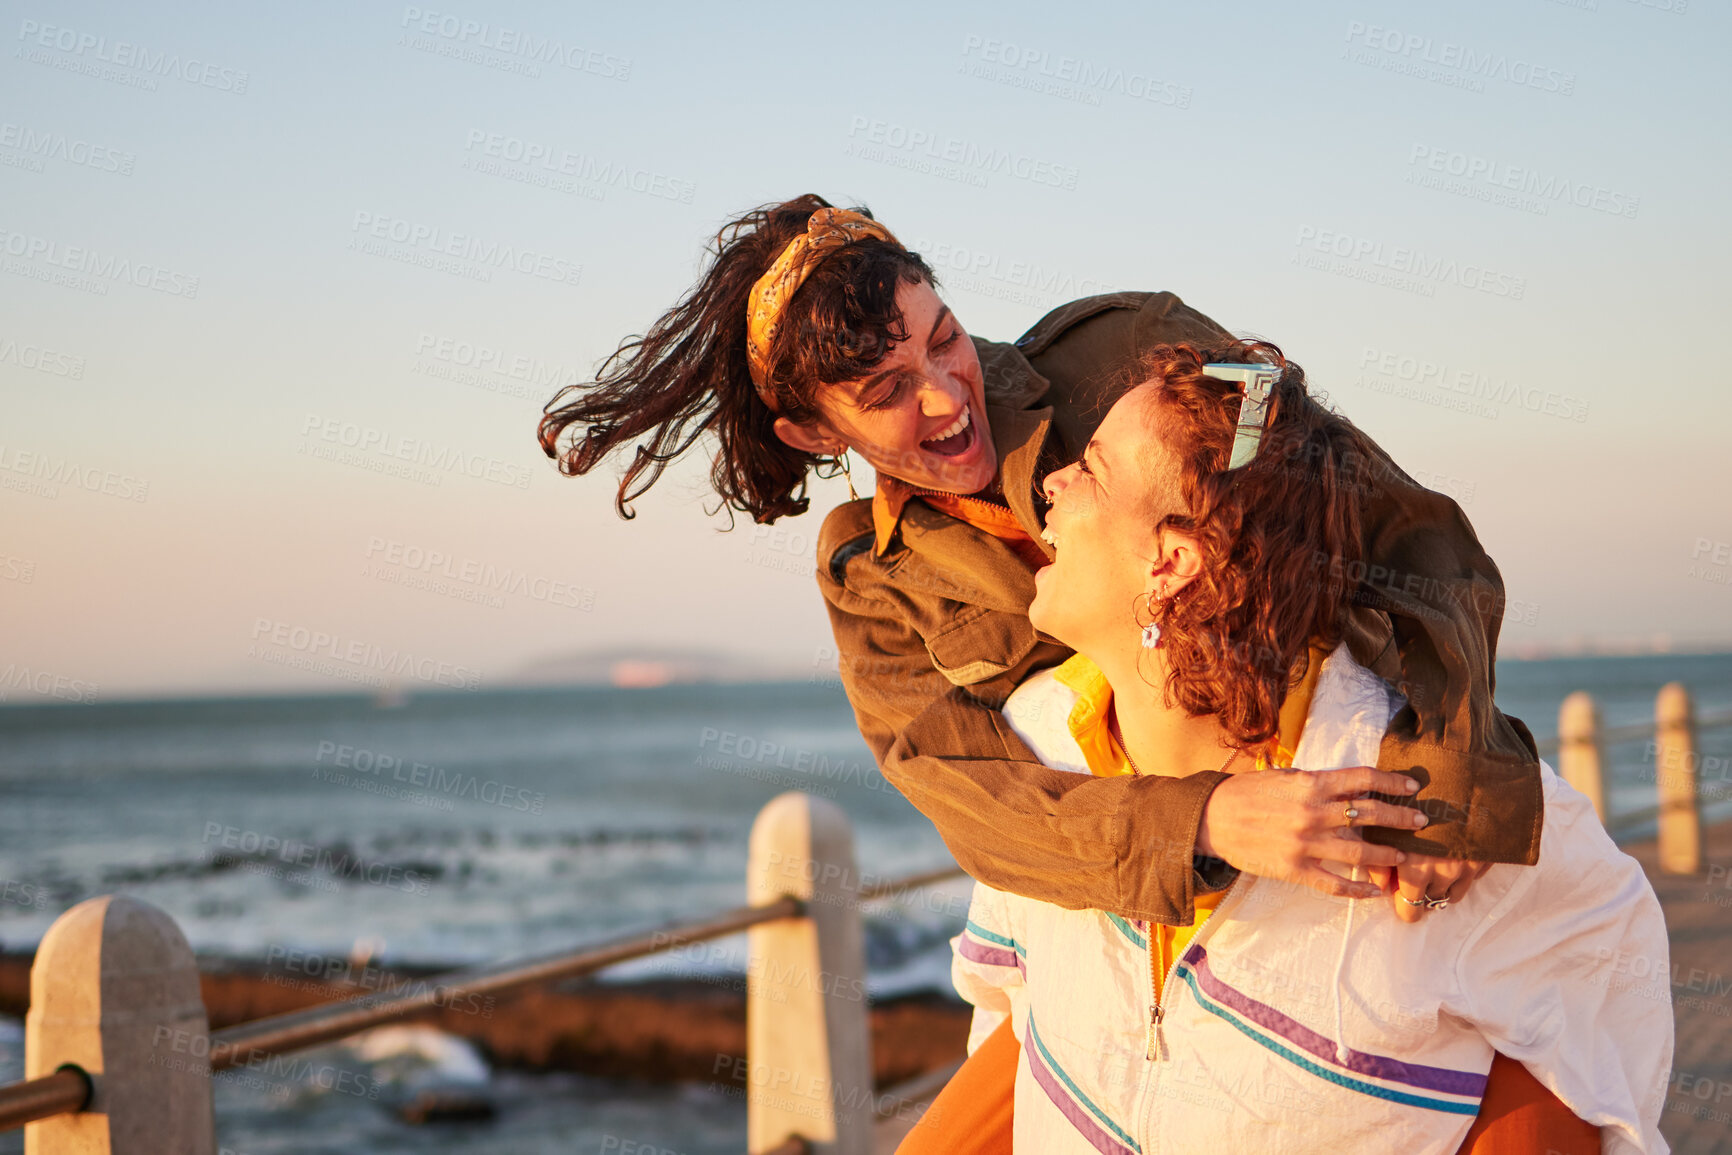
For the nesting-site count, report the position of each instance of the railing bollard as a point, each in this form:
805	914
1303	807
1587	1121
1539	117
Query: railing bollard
1581	756
808	1046
114	991
1675	776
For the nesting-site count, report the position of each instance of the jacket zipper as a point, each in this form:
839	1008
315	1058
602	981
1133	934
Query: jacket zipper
1155	1011
1001	505
1158	1013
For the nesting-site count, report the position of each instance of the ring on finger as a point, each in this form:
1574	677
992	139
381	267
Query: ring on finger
1352	813
1427	901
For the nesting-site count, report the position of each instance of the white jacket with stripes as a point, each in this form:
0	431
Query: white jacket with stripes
1298	1022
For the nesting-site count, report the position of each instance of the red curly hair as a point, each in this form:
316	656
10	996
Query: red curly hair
1279	536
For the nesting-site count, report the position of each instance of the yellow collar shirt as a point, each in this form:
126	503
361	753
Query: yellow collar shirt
1090	723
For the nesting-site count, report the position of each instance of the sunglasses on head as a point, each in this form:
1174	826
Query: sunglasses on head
1253	413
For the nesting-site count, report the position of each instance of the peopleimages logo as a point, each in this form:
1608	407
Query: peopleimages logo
88	46
45	683
1411	49
884	140
1365	258
582	167
515	42
1068	77
1484	178
337	864
309	643
42	145
42	360
409	455
91	262
58	471
433	241
538	374
1020	281
1472	383
484	578
434	779
1711	561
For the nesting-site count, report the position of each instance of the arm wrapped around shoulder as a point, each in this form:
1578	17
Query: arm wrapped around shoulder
1124	844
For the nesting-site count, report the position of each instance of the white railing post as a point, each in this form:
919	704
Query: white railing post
1675	776
808	1045
114	991
1581	757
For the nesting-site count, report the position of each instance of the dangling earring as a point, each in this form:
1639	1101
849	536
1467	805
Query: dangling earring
841	460
1152	631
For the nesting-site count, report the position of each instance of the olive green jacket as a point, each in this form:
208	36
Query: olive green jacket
933	635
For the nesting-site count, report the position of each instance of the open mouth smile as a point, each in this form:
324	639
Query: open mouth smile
955	440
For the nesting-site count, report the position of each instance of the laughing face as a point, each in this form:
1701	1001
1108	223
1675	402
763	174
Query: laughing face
920	416
1108	556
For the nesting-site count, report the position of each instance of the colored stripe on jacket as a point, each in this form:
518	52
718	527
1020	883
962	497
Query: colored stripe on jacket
1275	1031
1079	1110
980	945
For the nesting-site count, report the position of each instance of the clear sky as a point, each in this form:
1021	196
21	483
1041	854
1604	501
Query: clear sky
284	287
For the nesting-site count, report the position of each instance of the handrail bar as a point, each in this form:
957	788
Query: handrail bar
912	882
1612	735
65	1092
298	1030
1620	824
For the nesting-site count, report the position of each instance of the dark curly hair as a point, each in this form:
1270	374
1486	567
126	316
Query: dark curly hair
688	375
1280	536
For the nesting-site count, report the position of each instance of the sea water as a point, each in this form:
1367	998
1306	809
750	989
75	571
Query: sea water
468	828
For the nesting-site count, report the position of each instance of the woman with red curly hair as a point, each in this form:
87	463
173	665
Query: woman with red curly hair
1202	541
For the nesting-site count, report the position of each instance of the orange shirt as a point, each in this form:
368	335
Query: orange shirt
987	516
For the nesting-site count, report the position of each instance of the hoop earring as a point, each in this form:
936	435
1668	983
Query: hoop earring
841	461
1152	631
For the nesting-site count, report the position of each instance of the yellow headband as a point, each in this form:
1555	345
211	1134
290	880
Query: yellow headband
826	231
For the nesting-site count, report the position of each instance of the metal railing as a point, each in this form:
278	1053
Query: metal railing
65	1091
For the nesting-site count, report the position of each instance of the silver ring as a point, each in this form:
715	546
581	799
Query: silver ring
1427	901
